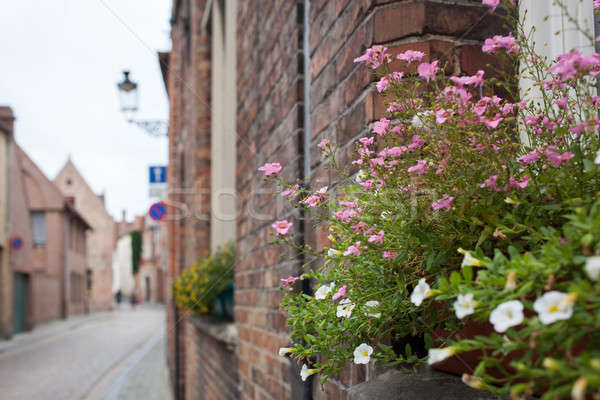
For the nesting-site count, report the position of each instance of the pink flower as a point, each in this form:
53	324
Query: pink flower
374	57
353	249
380	127
323	144
475	80
397	76
366	141
529	158
377	238
419	168
491	183
389	254
271	169
498	42
383	84
427	70
556	159
491	3
358	227
596	4
562	102
291	192
481	106
417	142
442	116
312	200
282	227
289	281
410	56
444	203
519	184
340	293
492	123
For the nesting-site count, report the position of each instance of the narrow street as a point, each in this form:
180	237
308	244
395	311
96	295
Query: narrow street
108	355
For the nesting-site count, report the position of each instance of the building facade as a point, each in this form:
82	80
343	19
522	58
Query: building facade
100	239
6	140
286	70
49	271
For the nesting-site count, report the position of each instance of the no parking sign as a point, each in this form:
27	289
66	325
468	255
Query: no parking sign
158	211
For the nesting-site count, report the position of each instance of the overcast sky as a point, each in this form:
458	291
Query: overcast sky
60	63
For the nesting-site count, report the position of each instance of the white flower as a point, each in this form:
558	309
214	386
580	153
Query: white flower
305	372
437	355
554	306
362	354
344	309
420	292
597	160
333	253
472	381
464	305
468	259
592	267
579	389
385	214
507	314
373	304
323	291
360	176
283	351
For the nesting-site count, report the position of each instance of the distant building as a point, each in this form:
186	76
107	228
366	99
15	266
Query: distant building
100	240
149	283
50	275
6	127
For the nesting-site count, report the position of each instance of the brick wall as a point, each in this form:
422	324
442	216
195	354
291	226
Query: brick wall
342	106
212	361
270	128
189	164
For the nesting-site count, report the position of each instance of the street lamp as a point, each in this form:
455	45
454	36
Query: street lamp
128	98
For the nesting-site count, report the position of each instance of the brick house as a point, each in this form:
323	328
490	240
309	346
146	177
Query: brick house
284	72
6	151
100	240
49	270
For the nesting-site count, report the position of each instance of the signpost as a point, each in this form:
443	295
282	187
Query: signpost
157	175
158	211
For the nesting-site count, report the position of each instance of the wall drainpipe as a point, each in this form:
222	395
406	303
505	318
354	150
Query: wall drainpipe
307	386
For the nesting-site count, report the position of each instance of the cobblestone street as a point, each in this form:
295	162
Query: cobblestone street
108	355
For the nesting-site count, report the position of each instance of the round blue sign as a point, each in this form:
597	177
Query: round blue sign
158	211
16	243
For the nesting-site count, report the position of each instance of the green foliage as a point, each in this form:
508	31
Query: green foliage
439	177
197	286
136	250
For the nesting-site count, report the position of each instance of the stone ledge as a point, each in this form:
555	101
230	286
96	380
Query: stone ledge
425	385
219	329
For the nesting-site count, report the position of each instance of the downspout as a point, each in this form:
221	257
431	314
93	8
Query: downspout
307	385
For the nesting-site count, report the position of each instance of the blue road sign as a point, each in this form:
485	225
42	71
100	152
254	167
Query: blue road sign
16	243
158	211
158	174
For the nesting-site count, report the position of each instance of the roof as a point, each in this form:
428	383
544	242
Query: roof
71	210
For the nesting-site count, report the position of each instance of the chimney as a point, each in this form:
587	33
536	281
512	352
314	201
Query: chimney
7	117
70	200
124	216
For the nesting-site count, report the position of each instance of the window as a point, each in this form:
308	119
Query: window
38	226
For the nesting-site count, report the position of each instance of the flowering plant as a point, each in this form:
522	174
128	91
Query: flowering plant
197	286
513	179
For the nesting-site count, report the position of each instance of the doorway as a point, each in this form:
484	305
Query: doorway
147	288
20	295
